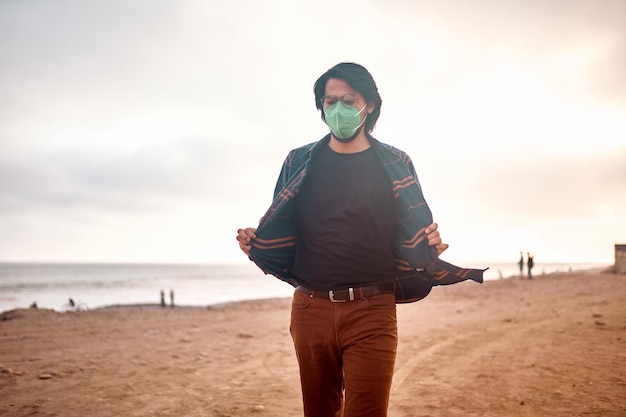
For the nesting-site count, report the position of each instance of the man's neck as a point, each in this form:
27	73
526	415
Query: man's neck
358	144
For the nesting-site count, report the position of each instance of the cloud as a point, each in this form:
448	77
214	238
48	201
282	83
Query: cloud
552	187
151	115
576	46
108	179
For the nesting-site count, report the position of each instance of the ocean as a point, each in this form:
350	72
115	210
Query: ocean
50	285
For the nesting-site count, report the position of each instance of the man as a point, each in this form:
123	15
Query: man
348	218
529	264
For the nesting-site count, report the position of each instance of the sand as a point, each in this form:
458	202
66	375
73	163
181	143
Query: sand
551	346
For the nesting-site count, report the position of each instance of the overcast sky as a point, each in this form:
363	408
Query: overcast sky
149	131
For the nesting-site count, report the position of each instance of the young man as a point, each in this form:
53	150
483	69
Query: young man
348	218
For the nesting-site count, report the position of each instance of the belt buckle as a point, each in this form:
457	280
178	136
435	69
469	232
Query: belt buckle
331	296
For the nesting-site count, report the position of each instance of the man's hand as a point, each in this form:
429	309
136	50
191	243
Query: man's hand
432	234
434	239
245	235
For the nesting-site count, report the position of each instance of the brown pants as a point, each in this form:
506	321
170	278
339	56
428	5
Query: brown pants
347	346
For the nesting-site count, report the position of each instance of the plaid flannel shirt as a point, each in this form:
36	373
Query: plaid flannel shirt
273	249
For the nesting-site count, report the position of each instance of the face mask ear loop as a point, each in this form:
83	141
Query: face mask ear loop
362	121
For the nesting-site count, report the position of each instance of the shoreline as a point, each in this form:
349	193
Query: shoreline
156	306
152	306
194	289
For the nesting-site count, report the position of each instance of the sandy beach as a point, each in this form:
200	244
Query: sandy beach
551	346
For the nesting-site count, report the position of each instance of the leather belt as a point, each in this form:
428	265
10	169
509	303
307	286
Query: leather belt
349	294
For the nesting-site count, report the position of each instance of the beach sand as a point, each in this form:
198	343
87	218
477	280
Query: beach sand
551	346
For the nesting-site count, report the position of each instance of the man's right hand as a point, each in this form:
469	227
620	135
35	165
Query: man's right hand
244	236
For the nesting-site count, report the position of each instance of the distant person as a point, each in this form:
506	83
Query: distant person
530	264
162	299
71	303
172	298
521	263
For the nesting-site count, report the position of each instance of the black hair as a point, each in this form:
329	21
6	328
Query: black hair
360	80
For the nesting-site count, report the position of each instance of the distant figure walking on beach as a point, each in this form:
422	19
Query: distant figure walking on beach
348	218
521	263
171	298
529	264
162	299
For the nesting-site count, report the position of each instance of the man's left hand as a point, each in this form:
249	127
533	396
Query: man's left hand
434	239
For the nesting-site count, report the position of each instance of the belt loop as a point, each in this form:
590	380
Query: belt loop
351	292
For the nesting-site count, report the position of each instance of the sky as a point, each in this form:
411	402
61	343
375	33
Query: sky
149	131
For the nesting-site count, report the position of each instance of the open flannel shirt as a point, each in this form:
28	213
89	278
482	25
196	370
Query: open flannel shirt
273	249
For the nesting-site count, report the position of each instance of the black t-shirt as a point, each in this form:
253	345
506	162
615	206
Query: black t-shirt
346	220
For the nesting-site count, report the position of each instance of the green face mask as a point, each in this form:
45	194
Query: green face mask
344	121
